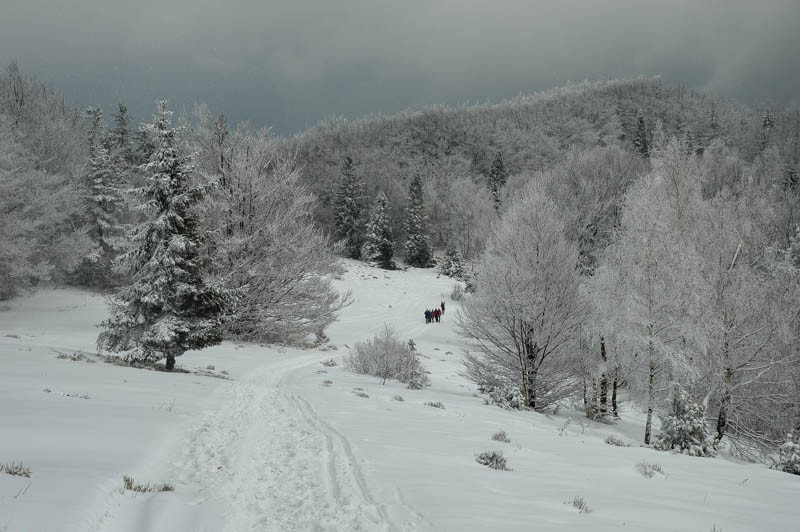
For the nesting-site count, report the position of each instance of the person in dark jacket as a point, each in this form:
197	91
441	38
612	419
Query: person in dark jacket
427	316
442	305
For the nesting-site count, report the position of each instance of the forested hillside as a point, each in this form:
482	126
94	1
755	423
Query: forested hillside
455	149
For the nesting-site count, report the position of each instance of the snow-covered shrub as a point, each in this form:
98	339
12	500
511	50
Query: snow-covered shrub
329	363
649	470
386	357
493	460
327	382
580	504
398	398
131	485
435	404
504	397
457	293
685	430
501	436
789	455
16	469
613	440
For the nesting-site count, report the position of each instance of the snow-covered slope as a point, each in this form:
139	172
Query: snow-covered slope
290	444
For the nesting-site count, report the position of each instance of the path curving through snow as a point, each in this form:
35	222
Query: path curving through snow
262	459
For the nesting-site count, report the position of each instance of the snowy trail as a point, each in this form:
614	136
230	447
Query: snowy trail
275	464
262	460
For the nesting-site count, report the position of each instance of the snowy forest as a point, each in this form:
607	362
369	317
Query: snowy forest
617	238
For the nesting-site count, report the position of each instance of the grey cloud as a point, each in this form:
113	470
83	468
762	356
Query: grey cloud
289	63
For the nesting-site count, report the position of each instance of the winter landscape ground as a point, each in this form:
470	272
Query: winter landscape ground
261	438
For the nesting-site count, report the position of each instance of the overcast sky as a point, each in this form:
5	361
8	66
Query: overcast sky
288	64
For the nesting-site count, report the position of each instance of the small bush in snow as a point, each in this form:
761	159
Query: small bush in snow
501	436
649	470
16	469
789	455
509	398
457	293
435	404
75	357
327	382
613	440
361	394
493	460
685	430
386	357
131	485
398	398
329	363
580	504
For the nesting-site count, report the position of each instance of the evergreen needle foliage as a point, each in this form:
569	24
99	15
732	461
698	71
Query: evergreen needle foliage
167	308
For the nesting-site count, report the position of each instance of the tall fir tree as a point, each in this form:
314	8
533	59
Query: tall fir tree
640	139
379	244
104	207
497	178
167	308
348	207
120	134
418	242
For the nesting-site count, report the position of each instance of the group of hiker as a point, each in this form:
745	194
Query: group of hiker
435	314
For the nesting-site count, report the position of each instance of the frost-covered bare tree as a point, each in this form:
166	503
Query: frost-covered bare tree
264	241
746	370
519	325
647	284
41	234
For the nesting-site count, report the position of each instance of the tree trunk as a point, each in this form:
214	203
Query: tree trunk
170	365
725	401
651	387
603	379
614	387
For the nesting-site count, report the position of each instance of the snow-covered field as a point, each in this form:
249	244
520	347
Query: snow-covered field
276	447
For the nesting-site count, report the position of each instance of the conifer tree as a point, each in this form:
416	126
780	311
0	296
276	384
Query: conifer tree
418	242
789	455
348	210
379	245
640	142
104	206
453	263
685	430
120	134
497	178
167	308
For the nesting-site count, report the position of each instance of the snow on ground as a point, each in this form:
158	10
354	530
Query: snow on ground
276	447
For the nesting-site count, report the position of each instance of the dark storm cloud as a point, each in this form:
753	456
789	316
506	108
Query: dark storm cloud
290	63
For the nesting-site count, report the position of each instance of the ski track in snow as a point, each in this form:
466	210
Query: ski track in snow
275	464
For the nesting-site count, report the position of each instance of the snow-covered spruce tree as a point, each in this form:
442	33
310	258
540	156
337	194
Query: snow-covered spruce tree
120	134
453	263
789	455
640	141
497	178
379	245
104	206
685	429
347	209
418	242
167	309
520	323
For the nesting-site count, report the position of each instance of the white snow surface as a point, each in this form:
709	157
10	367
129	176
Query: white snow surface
276	448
